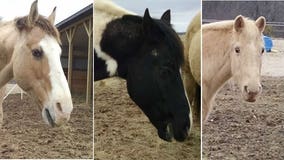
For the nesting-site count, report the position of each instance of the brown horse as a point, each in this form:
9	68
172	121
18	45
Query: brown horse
30	53
231	49
191	67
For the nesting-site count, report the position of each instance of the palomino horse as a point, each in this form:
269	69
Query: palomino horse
231	49
30	54
147	53
191	67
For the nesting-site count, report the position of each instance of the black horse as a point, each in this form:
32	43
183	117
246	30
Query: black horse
147	53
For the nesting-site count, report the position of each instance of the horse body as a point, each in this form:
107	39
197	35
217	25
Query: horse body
30	54
191	67
236	53
148	54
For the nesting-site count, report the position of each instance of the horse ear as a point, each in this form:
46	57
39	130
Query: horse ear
147	21
33	15
239	23
166	17
51	17
260	23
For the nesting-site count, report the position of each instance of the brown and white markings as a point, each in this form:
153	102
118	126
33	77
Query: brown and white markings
30	53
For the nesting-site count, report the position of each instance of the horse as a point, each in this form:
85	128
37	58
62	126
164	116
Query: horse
30	54
191	67
148	54
232	48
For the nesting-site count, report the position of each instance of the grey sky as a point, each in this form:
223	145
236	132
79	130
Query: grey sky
182	10
65	8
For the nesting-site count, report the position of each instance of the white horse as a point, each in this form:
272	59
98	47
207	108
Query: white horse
231	49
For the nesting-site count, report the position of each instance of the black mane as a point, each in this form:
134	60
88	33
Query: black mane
166	34
172	39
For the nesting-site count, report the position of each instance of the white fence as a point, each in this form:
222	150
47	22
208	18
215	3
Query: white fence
13	88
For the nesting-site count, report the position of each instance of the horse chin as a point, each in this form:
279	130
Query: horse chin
166	134
169	134
249	98
181	135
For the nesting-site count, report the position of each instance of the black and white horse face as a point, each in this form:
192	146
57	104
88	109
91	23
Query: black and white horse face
148	54
154	81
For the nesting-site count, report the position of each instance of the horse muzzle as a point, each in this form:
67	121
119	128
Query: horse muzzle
250	94
54	116
179	134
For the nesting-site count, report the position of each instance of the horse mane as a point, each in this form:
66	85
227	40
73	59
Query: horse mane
111	8
222	25
43	23
168	34
193	27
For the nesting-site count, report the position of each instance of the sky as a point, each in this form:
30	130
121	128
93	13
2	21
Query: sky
182	11
65	8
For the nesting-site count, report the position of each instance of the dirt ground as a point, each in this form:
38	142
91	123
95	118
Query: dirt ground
242	130
25	135
123	132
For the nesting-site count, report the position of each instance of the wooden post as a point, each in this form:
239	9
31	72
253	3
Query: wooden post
70	35
88	28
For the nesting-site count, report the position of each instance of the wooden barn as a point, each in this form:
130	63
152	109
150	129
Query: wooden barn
77	45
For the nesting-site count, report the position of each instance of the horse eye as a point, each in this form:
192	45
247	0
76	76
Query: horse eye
37	53
237	50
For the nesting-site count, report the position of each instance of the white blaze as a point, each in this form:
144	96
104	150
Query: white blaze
60	92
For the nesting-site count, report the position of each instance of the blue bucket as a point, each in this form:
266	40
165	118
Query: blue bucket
267	43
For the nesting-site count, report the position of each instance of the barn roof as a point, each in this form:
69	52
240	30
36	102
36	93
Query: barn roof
83	13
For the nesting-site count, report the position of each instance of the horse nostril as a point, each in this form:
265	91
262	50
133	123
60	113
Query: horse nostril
246	89
259	88
49	118
58	105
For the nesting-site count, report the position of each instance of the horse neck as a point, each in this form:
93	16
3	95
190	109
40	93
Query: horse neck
8	36
124	49
216	60
100	69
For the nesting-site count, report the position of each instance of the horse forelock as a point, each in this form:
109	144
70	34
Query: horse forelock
42	23
251	31
172	41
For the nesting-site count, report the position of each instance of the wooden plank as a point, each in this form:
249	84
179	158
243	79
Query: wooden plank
70	35
88	27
